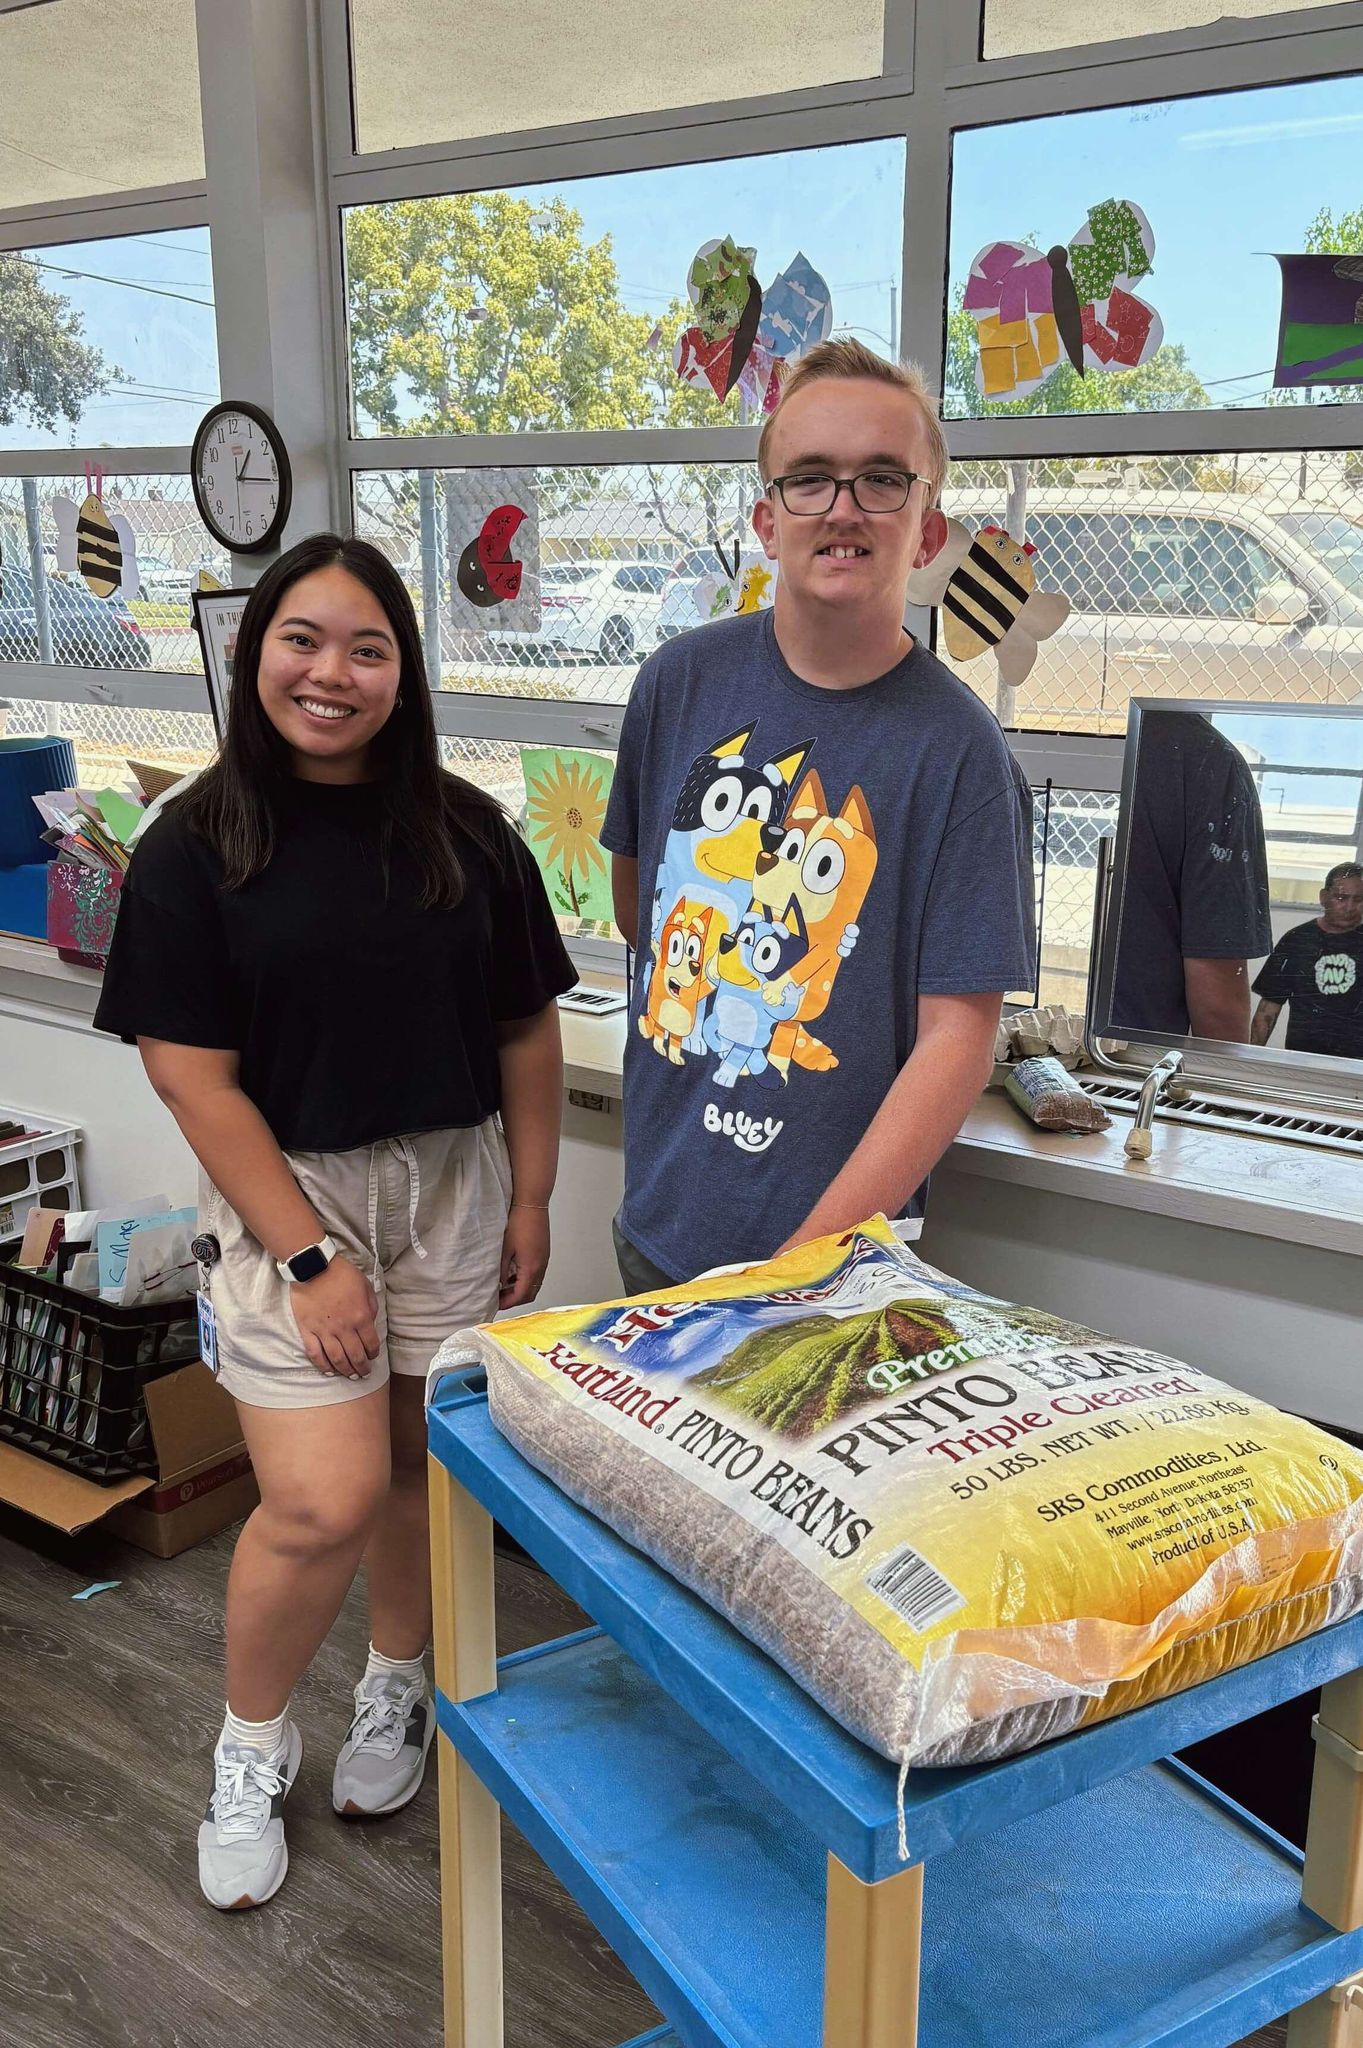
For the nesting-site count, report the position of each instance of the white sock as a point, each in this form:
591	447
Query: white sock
405	1669
266	1736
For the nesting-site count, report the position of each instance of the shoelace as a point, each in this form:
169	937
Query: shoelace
244	1786
380	1721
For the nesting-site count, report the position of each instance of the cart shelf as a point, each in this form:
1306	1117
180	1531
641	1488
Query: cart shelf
727	1837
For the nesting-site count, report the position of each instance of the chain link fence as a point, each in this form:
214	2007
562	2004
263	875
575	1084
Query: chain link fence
148	621
1236	578
614	562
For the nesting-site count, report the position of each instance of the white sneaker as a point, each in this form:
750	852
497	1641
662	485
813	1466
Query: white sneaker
242	1852
383	1758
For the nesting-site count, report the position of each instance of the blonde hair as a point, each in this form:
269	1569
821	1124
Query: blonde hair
848	357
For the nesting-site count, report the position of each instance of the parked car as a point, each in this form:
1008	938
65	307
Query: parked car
87	631
165	582
678	613
1209	595
607	610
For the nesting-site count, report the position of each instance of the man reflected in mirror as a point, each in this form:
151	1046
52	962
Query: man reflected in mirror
1195	905
1316	969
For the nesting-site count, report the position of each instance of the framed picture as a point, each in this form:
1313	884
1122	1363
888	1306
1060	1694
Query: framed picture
217	615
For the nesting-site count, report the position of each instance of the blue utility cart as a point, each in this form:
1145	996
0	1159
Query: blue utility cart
739	1850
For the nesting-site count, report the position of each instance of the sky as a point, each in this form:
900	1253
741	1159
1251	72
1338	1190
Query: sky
1302	742
1225	181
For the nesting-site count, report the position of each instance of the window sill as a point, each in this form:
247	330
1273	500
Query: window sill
32	976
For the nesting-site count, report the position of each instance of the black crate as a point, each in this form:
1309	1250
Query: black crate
72	1370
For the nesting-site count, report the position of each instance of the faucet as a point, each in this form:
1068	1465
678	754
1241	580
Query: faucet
1164	1078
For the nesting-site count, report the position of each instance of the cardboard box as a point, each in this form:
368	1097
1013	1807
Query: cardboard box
203	1479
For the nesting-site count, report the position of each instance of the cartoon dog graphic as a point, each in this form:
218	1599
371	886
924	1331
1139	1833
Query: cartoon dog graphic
679	983
716	832
823	863
754	993
716	837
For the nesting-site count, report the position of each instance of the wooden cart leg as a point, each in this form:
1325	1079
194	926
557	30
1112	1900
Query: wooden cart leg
464	1629
872	1939
1332	1878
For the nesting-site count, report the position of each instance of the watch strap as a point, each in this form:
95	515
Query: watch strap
307	1264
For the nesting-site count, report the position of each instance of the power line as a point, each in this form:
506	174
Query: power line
97	277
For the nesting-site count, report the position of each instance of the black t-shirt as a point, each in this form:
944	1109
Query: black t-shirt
1319	975
1196	871
357	1013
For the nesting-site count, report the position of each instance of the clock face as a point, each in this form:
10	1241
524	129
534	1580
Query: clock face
240	474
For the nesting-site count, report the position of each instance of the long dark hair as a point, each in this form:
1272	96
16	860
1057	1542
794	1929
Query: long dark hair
233	804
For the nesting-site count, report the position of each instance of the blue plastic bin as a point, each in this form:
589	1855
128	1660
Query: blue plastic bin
27	767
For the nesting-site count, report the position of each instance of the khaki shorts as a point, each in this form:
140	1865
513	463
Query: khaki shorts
422	1217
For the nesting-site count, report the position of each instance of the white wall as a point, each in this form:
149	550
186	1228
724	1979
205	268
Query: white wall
66	1070
1278	1320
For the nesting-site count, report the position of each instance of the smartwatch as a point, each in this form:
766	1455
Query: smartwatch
307	1264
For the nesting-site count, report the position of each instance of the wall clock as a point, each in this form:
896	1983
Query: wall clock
241	477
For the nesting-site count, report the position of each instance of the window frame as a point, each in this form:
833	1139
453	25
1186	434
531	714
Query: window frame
943	88
935	85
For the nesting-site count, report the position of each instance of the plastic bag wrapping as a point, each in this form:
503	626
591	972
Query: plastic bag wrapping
963	1526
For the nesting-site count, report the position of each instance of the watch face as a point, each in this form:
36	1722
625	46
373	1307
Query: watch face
307	1265
240	478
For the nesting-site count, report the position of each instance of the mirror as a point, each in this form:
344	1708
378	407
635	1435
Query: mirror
1281	603
1235	916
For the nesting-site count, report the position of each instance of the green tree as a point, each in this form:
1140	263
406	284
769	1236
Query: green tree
1327	236
484	313
46	370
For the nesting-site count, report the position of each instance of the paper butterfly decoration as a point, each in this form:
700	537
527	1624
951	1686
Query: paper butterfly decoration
740	336
745	582
986	586
1075	299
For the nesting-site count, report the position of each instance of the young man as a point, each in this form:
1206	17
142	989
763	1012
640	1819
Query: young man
822	849
1316	968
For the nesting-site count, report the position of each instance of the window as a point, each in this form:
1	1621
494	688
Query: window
558	306
428	71
107	736
1338	542
98	99
1015	28
1194	568
113	341
625	555
1067	826
149	628
1189	576
1221	179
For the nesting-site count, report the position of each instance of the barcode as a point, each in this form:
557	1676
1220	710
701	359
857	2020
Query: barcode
915	1589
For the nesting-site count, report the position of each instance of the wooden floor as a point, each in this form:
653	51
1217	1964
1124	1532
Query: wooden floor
108	1712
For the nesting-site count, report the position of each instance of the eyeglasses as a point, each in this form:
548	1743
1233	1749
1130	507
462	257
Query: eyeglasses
808	494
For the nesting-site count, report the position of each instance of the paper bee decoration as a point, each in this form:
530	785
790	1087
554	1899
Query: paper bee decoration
985	585
1076	299
96	544
99	553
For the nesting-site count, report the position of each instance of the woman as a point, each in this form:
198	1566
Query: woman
340	965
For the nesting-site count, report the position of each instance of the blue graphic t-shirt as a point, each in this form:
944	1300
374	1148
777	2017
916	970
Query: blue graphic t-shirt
810	861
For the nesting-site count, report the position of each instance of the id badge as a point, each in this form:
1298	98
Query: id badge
208	1333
